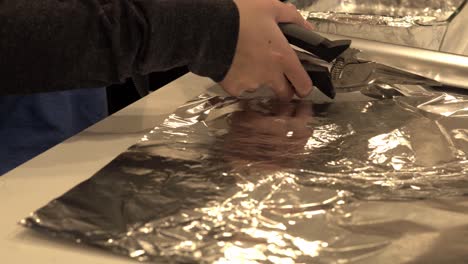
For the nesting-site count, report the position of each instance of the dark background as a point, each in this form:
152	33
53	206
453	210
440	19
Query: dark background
121	95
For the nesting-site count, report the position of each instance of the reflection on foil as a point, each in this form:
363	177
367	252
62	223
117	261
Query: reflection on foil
416	23
227	180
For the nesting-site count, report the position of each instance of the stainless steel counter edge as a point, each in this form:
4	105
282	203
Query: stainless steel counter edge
449	69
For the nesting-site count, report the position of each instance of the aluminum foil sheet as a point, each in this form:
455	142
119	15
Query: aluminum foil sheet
228	180
416	23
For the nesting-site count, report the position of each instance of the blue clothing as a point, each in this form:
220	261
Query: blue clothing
31	124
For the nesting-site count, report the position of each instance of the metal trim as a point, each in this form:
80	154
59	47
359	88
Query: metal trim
449	69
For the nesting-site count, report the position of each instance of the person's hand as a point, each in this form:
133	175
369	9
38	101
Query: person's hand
263	55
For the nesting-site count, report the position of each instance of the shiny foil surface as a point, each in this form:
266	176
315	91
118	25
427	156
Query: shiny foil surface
228	180
416	23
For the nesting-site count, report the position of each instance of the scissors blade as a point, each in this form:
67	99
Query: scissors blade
349	73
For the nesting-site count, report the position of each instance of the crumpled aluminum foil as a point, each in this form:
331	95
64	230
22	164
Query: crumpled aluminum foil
228	180
416	23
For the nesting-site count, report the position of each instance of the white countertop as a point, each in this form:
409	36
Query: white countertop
49	175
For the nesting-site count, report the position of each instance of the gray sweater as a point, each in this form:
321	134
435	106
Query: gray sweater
49	45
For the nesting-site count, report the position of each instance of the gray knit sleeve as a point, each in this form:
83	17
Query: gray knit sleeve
49	45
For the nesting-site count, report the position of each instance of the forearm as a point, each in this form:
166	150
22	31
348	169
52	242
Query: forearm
49	45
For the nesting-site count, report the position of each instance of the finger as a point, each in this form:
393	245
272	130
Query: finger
232	89
296	73
287	13
290	65
237	88
282	89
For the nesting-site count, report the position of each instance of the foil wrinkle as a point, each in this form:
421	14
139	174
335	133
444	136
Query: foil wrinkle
227	180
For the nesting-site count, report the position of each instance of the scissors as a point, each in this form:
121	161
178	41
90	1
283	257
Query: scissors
334	67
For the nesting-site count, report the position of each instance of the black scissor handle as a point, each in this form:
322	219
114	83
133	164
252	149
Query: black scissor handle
313	42
320	77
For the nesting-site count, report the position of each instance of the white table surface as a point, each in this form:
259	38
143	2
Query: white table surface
49	175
